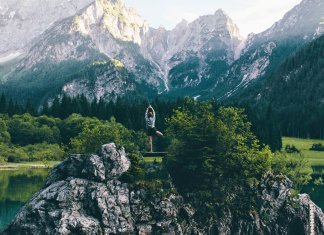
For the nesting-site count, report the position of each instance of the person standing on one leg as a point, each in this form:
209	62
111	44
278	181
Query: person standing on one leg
150	126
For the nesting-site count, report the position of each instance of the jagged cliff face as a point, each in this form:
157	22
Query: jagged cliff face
205	58
160	59
106	31
304	20
84	195
106	27
262	53
187	53
101	81
23	20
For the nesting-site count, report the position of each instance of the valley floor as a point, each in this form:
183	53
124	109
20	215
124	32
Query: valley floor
315	158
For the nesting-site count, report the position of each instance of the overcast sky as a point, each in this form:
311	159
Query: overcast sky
250	15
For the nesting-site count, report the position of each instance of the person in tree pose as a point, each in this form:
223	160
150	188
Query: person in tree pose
150	126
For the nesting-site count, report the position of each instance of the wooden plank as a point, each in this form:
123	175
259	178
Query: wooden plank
155	154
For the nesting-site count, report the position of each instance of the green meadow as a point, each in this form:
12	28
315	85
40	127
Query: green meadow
153	159
315	158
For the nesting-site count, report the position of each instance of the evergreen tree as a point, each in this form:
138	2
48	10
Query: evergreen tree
65	107
29	108
11	108
3	104
218	152
45	108
55	109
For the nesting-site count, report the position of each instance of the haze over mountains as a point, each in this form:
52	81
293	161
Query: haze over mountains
106	50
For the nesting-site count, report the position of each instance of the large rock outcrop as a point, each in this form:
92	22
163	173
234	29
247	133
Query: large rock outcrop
83	195
278	211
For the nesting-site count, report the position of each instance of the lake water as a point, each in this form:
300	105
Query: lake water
316	192
18	186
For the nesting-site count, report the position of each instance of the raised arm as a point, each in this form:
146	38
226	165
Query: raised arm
147	109
152	111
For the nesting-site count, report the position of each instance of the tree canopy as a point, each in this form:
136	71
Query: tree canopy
217	151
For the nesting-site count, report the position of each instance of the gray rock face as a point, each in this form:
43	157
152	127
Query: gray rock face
278	212
83	195
22	20
110	165
262	53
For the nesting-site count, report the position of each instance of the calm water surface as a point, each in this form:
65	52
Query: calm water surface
18	186
316	192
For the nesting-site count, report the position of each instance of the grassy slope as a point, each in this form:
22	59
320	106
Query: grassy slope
316	158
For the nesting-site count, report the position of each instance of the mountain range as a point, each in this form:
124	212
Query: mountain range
104	49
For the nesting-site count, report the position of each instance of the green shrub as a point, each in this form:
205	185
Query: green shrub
295	166
4	134
317	147
25	129
96	133
291	149
16	155
44	151
217	151
13	158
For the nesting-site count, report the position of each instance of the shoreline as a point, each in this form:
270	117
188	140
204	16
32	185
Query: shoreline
27	165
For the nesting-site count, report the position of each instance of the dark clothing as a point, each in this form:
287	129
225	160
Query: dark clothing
151	131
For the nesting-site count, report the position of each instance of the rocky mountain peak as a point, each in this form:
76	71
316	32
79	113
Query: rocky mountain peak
23	20
303	20
207	33
181	25
122	22
220	12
